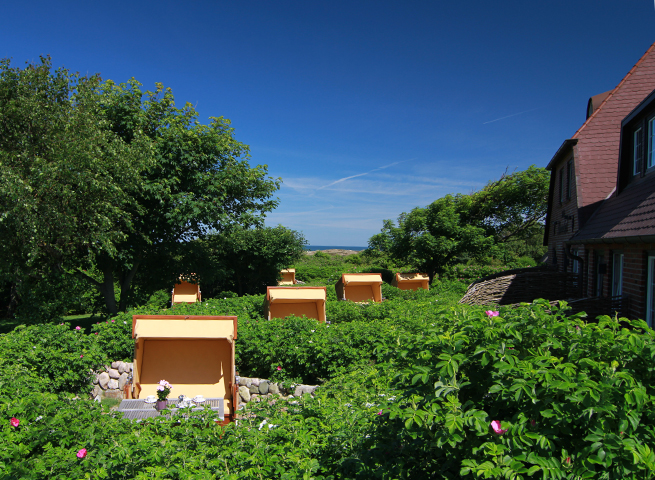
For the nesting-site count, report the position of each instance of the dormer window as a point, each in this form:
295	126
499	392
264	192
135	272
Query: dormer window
637	153
651	127
637	150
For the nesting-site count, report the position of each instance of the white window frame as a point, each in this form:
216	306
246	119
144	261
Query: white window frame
617	275
636	154
575	268
650	292
651	131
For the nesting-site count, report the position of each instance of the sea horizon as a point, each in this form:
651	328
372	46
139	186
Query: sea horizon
328	247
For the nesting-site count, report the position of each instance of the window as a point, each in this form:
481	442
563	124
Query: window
561	186
569	179
637	150
576	264
650	161
600	274
650	293
617	275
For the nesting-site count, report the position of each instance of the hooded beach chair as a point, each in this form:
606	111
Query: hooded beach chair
193	353
411	281
186	292
281	302
288	276
360	287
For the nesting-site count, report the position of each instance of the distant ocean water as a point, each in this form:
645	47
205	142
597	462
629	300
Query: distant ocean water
330	247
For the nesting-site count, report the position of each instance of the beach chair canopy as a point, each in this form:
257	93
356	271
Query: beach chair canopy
186	292
411	281
284	301
193	353
288	276
360	287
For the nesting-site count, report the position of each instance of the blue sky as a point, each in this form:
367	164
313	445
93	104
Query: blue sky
365	109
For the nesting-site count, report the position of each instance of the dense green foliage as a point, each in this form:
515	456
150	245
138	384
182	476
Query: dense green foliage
245	260
409	389
102	180
503	220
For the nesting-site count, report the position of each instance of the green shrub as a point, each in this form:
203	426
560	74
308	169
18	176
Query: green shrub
62	356
574	400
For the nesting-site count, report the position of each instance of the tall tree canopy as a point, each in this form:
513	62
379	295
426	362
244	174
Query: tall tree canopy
467	226
104	174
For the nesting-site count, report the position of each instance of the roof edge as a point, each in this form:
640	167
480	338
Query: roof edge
628	75
633	239
561	151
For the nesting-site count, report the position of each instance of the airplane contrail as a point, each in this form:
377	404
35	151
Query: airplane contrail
513	114
360	174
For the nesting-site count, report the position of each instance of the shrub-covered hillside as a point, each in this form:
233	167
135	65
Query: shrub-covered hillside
416	387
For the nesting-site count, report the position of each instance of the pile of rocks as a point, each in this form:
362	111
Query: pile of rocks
256	389
110	382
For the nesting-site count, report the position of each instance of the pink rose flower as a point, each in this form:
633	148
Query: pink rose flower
81	453
81	356
96	333
497	427
14	422
279	368
492	313
380	412
78	328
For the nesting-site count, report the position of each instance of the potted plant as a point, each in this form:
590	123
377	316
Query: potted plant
163	389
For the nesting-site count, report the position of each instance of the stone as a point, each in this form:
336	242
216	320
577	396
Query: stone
244	393
96	391
255	382
301	389
113	373
103	380
115	364
117	394
243	381
112	384
122	380
263	387
129	367
273	389
255	397
122	367
253	389
95	379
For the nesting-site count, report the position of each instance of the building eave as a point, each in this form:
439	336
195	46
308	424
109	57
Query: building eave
562	151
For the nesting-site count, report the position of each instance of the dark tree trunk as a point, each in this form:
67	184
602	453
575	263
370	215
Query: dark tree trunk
106	287
126	285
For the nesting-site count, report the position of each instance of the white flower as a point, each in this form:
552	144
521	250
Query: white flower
369	405
348	405
124	322
264	422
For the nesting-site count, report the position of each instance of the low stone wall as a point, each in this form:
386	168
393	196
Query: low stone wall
256	389
110	382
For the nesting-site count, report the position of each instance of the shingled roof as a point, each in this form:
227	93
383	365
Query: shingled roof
597	149
629	216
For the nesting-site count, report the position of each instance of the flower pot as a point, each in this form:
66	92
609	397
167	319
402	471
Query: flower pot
160	405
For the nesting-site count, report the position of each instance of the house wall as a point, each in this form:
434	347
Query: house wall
563	216
596	156
635	273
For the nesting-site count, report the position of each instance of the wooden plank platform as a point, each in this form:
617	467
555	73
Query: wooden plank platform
139	409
